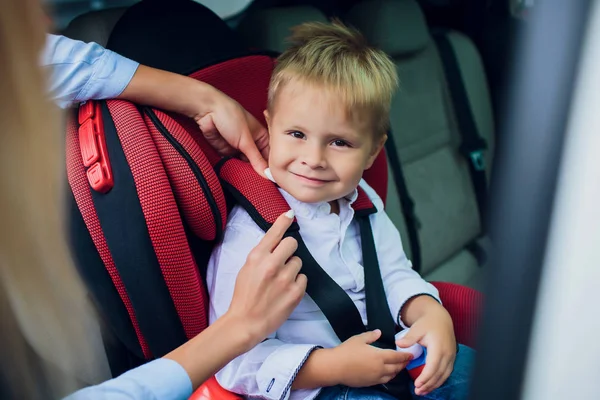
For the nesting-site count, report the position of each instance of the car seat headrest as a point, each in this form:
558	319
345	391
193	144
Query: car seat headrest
180	36
94	26
269	28
398	27
193	181
250	190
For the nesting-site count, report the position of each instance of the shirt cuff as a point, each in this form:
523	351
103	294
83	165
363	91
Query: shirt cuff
403	293
163	379
111	75
279	370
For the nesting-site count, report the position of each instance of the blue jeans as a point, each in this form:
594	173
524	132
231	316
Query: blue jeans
455	387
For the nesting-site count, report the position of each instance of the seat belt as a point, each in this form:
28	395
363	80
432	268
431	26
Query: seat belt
473	145
378	310
406	202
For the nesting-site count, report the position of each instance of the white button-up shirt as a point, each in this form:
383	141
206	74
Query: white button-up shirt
268	370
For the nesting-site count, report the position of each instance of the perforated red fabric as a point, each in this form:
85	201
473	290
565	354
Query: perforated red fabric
191	127
193	202
262	193
362	201
464	305
245	79
377	176
162	217
81	190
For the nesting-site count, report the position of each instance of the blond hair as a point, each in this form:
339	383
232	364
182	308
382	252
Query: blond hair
43	305
339	58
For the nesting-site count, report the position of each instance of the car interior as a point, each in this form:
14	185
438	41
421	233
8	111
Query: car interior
453	59
425	132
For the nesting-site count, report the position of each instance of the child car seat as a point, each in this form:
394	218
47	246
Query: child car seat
147	207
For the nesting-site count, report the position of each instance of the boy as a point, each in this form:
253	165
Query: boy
328	111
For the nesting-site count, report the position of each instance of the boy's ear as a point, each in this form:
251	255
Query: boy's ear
376	150
267	117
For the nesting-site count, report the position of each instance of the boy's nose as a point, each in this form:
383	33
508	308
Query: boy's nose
314	159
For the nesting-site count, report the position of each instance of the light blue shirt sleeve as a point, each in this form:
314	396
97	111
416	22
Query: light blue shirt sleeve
160	379
81	71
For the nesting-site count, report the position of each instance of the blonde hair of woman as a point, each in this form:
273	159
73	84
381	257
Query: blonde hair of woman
45	317
47	301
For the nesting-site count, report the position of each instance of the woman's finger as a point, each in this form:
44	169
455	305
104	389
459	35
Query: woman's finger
274	235
250	150
259	134
285	249
293	266
301	281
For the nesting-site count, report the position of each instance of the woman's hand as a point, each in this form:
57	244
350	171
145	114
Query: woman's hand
229	128
267	290
222	120
268	287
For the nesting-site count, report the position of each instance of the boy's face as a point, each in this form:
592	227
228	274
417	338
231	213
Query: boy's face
317	151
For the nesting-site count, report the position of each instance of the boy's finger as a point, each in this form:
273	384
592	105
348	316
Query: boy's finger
394	357
440	380
394	369
410	339
431	385
370	337
276	232
432	366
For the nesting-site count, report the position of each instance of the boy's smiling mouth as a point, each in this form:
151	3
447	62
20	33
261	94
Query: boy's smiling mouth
309	179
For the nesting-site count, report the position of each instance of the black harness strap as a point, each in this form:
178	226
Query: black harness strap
338	307
406	202
335	304
473	145
378	310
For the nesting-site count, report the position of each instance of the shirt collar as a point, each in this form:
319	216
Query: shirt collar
312	210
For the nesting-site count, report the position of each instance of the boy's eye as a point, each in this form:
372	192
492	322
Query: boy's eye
297	134
340	143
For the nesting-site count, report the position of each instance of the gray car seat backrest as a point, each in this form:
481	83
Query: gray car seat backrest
426	134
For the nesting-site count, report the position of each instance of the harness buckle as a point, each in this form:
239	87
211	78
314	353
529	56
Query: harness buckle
477	160
92	144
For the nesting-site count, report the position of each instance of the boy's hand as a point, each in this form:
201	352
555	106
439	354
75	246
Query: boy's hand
435	331
361	365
